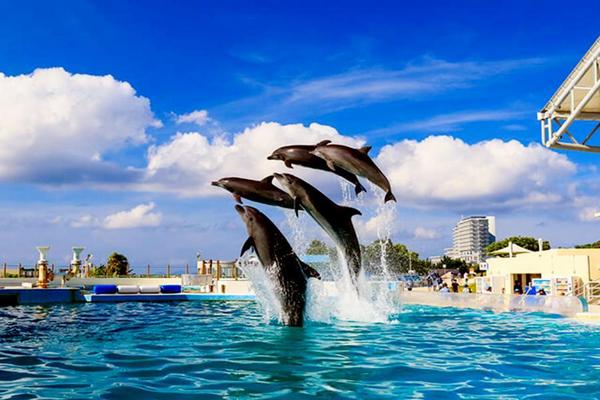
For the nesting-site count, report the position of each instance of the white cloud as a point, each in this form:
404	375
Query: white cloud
423	77
448	122
56	126
590	214
138	217
425	233
85	221
419	79
444	171
198	117
190	161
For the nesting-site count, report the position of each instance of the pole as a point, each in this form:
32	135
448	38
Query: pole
19	273
4	271
218	269
148	271
203	268
168	270
187	269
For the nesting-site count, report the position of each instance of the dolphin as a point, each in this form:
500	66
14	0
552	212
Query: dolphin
301	155
356	161
282	265
336	220
262	191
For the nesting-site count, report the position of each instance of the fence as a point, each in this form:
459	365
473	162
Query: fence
218	269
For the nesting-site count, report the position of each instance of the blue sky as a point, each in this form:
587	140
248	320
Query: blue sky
404	76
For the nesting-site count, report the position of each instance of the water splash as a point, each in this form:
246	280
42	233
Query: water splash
372	299
385	218
297	226
262	286
340	300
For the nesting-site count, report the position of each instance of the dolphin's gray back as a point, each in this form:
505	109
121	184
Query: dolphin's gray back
336	221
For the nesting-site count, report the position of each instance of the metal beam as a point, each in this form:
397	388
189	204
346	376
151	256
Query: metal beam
579	147
574	113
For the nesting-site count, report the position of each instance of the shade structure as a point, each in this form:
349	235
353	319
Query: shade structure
576	99
512	248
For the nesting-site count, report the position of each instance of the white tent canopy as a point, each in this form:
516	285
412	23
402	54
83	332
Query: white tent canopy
578	98
511	249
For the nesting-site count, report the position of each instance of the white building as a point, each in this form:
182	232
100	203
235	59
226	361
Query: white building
470	236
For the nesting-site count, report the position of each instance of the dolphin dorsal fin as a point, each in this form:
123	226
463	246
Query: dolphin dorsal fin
365	149
267	179
350	211
323	143
248	244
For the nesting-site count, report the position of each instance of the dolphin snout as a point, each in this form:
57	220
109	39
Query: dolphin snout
216	183
273	157
241	210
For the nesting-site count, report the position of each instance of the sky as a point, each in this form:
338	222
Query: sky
115	117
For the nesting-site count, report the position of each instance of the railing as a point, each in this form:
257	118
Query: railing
20	270
218	269
592	291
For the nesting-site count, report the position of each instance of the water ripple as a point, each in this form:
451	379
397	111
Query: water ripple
225	350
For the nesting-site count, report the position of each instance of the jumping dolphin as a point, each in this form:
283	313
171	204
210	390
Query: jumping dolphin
356	161
301	155
262	191
282	265
334	219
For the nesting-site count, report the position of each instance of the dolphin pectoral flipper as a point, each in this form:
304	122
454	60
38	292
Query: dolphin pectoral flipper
237	198
330	164
358	187
309	271
248	244
350	211
288	164
365	149
297	206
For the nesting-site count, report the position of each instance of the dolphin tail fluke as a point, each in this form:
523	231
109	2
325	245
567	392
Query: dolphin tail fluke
358	187
389	196
309	271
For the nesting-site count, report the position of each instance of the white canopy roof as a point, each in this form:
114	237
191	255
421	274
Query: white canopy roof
577	98
512	248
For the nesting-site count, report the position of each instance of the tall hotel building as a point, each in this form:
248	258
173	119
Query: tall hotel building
470	236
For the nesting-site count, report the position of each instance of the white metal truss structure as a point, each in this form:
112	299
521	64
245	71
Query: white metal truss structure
577	99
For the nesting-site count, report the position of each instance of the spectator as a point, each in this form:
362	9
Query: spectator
466	289
518	287
541	292
454	285
530	289
444	288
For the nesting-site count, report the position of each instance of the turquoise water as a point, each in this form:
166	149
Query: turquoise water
225	350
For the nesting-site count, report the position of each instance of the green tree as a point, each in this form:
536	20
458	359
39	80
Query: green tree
317	247
595	245
398	257
454	263
117	265
526	242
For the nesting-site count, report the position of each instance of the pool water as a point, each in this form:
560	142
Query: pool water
226	350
